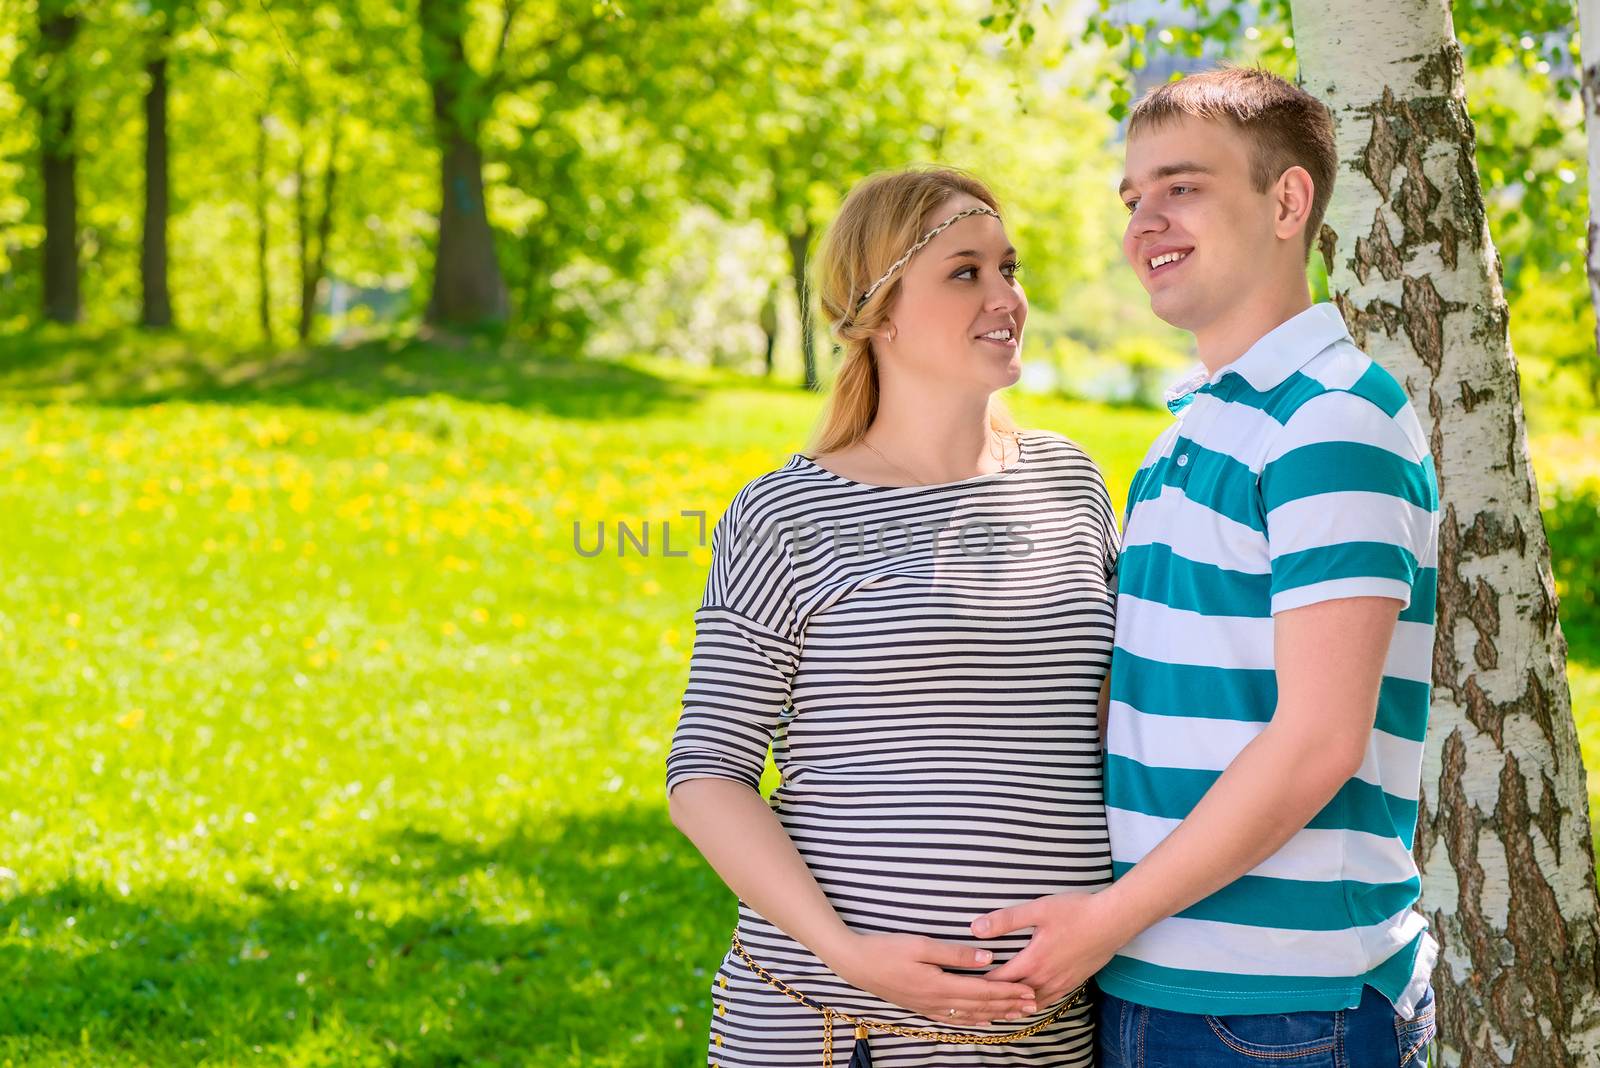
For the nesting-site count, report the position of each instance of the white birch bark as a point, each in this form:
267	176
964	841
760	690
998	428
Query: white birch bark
1503	838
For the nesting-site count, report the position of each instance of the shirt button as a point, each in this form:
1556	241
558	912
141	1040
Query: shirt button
1183	461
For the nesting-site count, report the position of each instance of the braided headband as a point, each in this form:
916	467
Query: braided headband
914	249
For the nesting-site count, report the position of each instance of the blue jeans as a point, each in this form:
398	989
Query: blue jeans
1370	1035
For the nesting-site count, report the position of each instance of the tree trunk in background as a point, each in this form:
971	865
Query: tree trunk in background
302	224
313	268
59	161
799	251
1589	51
157	307
1503	836
263	274
467	285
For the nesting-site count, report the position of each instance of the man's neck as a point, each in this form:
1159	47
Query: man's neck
1231	334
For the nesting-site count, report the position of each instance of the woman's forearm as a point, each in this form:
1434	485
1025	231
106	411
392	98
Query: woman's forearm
741	838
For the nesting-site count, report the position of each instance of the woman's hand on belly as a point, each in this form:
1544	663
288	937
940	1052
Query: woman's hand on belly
909	970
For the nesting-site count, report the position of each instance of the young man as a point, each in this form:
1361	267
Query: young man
1270	680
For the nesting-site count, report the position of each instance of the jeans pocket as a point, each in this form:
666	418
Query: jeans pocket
1277	1037
1413	1035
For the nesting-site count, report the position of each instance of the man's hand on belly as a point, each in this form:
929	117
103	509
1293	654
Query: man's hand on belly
1073	938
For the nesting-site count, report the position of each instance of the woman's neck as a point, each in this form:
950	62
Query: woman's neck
937	439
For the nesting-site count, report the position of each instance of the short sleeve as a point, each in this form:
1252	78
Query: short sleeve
1351	503
746	650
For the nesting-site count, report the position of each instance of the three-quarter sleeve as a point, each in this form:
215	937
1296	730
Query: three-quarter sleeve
746	650
1111	538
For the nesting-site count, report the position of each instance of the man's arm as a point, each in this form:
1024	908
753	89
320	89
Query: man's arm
1329	658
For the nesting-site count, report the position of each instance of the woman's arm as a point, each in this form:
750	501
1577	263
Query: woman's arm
741	838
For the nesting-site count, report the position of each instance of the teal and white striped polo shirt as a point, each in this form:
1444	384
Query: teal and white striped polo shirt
1296	474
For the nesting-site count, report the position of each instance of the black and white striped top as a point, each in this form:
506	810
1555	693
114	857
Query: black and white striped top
926	662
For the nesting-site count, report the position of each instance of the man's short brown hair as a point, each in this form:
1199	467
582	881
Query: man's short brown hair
1285	125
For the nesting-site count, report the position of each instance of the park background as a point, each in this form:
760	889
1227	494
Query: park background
322	742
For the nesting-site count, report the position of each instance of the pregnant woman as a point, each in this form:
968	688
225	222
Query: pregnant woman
918	619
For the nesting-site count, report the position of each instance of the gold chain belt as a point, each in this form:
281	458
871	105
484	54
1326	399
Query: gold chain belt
863	1026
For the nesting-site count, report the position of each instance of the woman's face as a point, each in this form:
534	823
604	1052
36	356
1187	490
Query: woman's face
960	311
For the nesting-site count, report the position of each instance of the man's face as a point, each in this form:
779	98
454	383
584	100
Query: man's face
1199	236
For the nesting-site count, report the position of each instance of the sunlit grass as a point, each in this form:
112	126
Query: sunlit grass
325	745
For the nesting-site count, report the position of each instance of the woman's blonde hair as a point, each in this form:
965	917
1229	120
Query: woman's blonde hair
881	218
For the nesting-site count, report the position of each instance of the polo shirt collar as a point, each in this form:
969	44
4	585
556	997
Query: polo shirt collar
1279	353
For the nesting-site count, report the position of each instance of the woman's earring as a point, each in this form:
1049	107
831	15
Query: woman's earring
892	333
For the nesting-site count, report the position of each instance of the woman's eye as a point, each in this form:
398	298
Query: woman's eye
970	272
1130	205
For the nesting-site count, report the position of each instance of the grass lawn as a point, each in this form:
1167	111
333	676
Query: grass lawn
325	746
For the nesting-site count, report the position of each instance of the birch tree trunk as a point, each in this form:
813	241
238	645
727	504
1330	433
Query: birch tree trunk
1503	837
1589	57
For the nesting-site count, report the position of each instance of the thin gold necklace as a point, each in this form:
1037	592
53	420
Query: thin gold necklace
920	482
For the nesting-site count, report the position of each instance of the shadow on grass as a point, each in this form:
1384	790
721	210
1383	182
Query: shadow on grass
130	369
595	965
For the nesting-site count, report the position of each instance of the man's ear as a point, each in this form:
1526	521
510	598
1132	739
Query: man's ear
1292	198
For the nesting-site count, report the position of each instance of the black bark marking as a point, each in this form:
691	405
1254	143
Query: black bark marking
1543	971
1471	398
1458	825
1422	844
1422	312
1377	250
1448	241
1489	536
1380	315
1416	200
1436	437
1551	813
1484	611
1382	154
1327	244
1440	70
1482	713
1453	595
